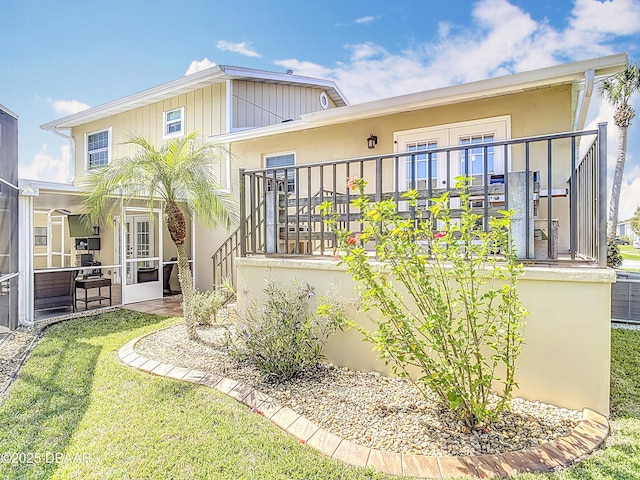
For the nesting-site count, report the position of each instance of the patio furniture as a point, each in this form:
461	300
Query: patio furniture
89	283
54	290
170	282
147	274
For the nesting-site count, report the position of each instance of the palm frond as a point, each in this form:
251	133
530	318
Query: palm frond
618	89
179	171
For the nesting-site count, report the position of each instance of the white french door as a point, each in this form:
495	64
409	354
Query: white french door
416	171
143	278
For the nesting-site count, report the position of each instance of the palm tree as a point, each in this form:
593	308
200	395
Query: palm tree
618	90
178	173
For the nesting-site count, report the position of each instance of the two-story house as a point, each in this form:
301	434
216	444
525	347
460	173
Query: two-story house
216	101
524	140
294	142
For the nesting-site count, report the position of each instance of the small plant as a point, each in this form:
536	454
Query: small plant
458	318
614	258
206	305
282	337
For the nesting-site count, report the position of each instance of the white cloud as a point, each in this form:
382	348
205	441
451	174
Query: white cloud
47	167
367	19
67	107
243	48
622	17
502	39
630	188
305	68
197	66
629	192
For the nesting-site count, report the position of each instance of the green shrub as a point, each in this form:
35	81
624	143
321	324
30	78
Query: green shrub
206	305
614	258
464	322
282	337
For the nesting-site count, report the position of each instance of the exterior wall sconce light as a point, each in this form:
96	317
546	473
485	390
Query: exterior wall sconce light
372	141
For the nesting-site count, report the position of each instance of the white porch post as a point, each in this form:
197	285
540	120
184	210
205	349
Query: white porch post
25	260
123	253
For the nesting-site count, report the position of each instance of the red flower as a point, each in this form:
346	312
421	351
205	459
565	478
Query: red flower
439	234
351	240
352	183
255	410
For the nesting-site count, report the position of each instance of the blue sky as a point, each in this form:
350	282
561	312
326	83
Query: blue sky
59	57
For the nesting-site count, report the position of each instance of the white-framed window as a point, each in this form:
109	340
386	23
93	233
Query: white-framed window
40	236
453	134
173	123
476	155
420	163
283	160
98	145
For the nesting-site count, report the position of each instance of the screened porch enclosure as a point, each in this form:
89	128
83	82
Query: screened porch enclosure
556	185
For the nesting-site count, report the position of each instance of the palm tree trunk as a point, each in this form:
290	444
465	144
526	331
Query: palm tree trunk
614	203
186	285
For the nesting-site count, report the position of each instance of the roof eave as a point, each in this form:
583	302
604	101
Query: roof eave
516	83
160	92
240	72
8	112
185	84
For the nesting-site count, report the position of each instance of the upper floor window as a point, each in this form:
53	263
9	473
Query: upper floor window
283	160
173	123
98	149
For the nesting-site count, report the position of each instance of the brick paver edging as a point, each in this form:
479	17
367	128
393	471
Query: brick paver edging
586	437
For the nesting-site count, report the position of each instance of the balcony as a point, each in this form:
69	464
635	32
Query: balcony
556	184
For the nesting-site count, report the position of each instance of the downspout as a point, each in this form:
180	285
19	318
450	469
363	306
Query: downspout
72	151
581	117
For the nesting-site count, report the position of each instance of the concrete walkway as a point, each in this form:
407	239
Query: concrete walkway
634	264
167	306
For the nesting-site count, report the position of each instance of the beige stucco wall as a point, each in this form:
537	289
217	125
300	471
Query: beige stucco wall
531	113
566	358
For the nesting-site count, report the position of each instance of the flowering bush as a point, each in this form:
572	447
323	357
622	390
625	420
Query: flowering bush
463	326
282	337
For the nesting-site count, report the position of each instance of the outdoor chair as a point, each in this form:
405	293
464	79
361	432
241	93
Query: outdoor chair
54	290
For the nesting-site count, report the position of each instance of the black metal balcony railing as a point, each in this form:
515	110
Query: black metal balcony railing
559	197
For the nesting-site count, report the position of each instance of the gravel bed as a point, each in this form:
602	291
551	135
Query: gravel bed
626	326
368	408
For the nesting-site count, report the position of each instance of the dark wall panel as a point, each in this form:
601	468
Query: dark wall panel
8	218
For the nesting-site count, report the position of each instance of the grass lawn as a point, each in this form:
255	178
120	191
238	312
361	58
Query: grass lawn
74	398
629	252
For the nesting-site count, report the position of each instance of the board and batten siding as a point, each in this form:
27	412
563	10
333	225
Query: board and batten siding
258	104
204	111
